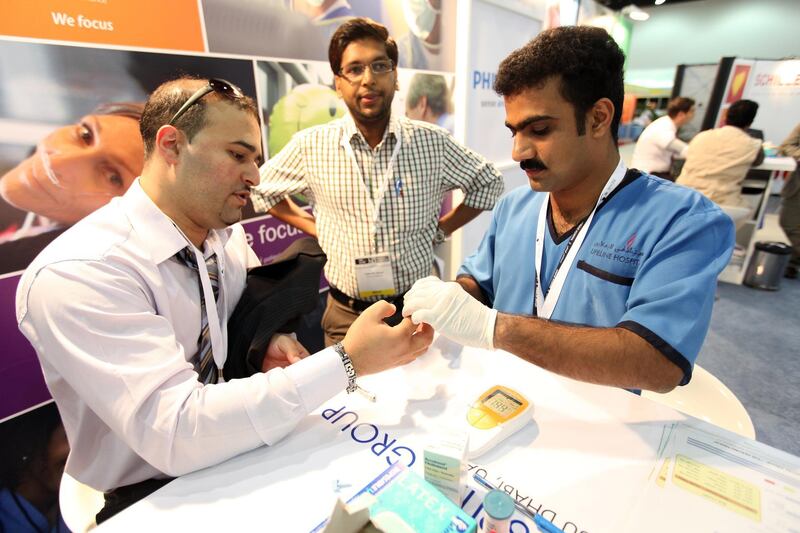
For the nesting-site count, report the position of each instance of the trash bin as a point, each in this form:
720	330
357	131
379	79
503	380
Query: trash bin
767	265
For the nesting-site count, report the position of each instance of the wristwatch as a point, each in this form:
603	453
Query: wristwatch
439	236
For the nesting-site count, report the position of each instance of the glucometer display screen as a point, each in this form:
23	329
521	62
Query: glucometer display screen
501	403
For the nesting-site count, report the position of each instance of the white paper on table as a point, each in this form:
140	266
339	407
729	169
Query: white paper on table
713	480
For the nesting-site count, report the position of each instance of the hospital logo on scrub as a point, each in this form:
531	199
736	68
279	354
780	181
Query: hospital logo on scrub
626	254
629	242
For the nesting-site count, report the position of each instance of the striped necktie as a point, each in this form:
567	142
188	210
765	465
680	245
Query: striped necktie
204	361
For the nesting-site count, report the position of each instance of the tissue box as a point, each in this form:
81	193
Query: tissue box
444	461
403	502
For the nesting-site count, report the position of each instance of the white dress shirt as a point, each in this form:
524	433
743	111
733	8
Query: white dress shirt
115	319
653	151
343	189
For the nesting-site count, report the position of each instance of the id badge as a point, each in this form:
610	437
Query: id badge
374	276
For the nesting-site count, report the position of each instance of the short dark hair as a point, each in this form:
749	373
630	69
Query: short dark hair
586	60
741	113
434	88
679	104
357	29
168	98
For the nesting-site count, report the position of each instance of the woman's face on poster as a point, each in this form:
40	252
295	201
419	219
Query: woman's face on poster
77	168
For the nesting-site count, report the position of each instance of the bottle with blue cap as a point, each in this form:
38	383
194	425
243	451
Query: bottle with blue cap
498	507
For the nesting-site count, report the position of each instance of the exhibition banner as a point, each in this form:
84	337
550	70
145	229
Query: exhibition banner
81	125
775	85
171	25
301	29
734	87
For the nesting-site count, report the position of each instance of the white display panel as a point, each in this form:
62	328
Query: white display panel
485	131
775	85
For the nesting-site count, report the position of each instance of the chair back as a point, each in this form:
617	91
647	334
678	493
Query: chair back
79	504
738	214
707	398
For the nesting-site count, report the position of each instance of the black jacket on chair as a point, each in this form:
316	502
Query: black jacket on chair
275	298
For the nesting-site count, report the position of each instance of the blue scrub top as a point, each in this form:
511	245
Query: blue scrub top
649	263
18	514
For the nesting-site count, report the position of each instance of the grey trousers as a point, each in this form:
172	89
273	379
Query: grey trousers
338	317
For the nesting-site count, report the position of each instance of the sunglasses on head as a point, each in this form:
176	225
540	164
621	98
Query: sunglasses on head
221	86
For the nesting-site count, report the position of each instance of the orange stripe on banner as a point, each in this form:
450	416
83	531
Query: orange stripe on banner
173	24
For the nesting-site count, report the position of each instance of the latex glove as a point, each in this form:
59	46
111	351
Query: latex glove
452	311
374	346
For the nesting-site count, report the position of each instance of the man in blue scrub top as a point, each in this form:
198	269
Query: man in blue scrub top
617	268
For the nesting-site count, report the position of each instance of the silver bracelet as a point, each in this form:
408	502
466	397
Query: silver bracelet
348	367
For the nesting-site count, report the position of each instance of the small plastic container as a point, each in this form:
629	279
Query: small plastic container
498	507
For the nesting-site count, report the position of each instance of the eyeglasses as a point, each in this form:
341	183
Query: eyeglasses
355	72
223	87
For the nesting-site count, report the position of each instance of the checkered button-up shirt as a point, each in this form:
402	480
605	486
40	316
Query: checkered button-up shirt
429	163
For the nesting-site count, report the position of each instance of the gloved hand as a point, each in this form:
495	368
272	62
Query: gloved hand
452	311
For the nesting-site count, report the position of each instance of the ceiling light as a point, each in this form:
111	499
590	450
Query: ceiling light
659	2
635	13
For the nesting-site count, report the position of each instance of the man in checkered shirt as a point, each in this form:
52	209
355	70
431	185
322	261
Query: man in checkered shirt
375	182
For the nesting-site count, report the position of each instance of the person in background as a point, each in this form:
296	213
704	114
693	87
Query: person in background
596	272
717	160
647	115
128	309
659	141
375	182
790	201
33	451
428	99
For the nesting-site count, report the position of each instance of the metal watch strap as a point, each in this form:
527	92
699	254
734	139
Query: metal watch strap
439	237
348	367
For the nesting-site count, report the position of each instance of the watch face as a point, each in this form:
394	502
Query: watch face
438	237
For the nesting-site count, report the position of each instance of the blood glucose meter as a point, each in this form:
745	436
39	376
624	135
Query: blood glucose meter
495	415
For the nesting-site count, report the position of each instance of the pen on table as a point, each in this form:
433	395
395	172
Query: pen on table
541	522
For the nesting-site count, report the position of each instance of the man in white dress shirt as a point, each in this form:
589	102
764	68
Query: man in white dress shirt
119	320
659	141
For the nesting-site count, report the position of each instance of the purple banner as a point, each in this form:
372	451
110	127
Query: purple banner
22	381
269	236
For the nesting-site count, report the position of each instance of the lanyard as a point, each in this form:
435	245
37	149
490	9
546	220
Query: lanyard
219	335
545	303
375	205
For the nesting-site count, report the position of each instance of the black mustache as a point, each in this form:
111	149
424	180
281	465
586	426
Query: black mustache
532	164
